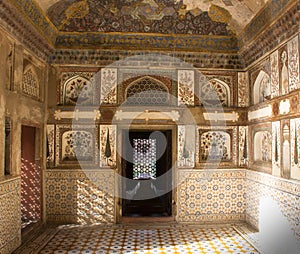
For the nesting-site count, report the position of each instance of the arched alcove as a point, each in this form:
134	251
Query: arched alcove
215	92
76	90
147	91
261	88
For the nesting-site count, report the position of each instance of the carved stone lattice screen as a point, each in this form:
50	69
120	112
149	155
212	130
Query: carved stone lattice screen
147	91
144	158
30	84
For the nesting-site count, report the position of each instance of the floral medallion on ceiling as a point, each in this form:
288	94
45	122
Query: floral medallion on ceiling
137	16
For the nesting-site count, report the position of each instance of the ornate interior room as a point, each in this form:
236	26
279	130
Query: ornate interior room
146	126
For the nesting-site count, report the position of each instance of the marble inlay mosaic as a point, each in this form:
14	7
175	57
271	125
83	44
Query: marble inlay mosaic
10	215
262	88
293	63
80	197
108	147
262	147
109	79
50	144
211	195
186	84
283	70
76	144
295	148
276	148
284	193
186	146
78	91
76	85
274	63
216	92
217	145
243	89
243	146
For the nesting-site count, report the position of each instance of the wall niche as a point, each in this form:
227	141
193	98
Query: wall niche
261	137
217	146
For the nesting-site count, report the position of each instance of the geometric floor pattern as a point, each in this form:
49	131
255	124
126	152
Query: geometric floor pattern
148	239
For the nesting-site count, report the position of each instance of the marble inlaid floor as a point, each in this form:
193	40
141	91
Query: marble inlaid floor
145	239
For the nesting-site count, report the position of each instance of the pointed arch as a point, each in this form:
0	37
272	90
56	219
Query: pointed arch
30	82
261	87
216	91
77	89
147	91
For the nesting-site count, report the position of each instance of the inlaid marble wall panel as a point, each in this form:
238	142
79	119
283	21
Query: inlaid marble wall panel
286	149
274	63
50	144
283	70
76	145
78	88
215	92
261	147
243	146
276	148
80	197
295	148
293	63
186	87
108	145
109	80
284	193
186	146
211	195
262	87
10	215
243	89
217	144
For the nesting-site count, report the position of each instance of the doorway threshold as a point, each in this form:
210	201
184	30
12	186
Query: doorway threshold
140	219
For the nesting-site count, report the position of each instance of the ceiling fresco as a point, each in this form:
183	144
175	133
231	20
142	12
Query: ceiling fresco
198	17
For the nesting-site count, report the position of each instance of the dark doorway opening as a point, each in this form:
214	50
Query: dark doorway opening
147	182
31	181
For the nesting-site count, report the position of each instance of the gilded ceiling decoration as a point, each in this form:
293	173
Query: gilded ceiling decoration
199	17
138	16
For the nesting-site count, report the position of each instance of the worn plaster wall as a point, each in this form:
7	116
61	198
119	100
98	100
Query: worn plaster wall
23	106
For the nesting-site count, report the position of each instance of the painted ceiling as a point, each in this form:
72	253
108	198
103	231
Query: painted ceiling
194	17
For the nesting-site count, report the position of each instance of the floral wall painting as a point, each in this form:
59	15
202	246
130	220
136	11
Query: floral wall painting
274	64
276	148
109	79
215	93
186	146
78	90
283	71
262	88
186	86
295	148
262	147
108	146
286	151
293	63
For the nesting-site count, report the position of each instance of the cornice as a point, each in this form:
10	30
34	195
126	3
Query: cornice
14	22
